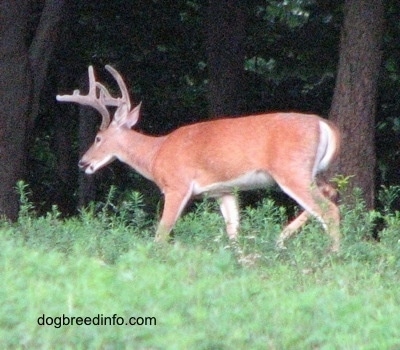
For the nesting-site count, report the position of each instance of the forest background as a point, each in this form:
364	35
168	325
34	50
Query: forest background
188	61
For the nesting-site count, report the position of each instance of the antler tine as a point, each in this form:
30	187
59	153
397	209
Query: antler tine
106	97
124	91
90	99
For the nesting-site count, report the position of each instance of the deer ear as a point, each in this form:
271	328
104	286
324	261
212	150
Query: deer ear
131	117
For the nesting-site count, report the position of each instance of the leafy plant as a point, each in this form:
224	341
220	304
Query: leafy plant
26	209
342	182
387	196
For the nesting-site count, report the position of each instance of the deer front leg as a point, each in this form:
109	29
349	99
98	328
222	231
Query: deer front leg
230	211
174	203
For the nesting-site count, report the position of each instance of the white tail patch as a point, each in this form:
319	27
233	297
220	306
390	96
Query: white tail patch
327	147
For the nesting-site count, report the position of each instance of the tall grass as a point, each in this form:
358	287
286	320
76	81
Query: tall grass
203	292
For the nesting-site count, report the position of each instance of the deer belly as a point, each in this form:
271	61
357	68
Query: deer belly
249	181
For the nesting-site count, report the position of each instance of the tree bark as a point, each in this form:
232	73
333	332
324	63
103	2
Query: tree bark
41	49
88	121
22	73
225	26
15	91
354	100
66	167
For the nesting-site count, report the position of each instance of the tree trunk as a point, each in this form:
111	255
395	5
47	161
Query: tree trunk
88	121
354	101
41	49
225	25
66	167
22	74
15	90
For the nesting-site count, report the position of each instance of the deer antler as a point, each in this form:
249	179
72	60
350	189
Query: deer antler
123	103
90	99
104	99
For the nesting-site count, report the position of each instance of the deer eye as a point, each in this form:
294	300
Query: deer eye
97	139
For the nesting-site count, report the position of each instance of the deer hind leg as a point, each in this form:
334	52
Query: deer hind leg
291	229
174	203
318	202
328	191
230	211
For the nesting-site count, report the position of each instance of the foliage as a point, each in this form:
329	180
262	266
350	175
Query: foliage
203	292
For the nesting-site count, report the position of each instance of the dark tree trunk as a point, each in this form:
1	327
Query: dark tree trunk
23	67
354	101
15	91
41	49
225	25
88	123
66	167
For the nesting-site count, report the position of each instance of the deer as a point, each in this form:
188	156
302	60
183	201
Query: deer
218	157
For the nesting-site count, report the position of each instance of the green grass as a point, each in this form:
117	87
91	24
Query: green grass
202	293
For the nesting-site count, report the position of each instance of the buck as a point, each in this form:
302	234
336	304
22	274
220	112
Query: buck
218	157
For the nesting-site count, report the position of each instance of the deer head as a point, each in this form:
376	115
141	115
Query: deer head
106	147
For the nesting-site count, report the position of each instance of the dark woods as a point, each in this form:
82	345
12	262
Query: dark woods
186	61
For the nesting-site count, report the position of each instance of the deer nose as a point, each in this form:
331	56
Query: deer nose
83	165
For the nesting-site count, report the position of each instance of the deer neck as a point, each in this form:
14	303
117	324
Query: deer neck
139	151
